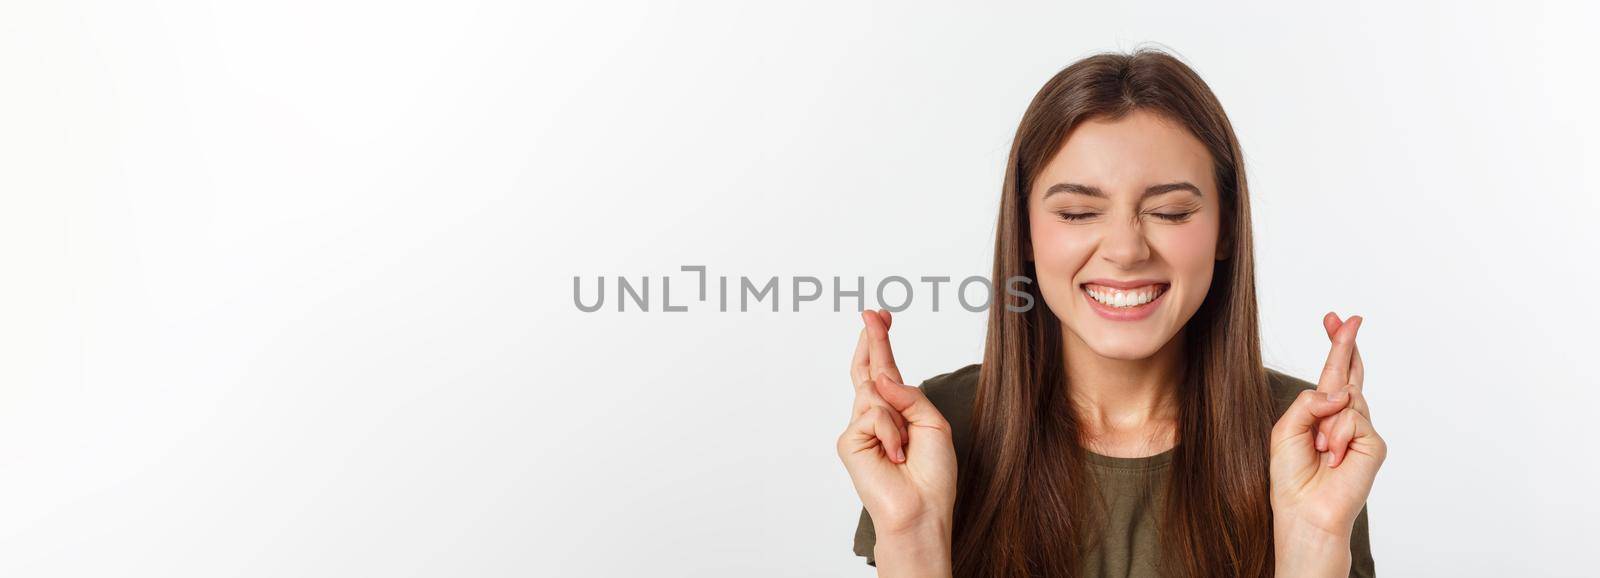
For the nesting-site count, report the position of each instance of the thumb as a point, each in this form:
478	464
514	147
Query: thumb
1310	406
911	402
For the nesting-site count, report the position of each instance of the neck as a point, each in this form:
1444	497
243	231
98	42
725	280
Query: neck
1124	396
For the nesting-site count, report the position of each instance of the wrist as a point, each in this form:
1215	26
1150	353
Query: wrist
919	550
1303	550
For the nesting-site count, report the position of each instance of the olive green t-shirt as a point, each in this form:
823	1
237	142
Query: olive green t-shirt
1133	488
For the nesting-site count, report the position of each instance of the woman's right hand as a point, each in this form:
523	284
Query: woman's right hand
898	447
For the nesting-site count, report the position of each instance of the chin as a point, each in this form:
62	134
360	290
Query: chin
1126	348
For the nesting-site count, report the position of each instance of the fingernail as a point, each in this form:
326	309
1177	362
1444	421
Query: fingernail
1327	459
900	455
1322	442
1338	396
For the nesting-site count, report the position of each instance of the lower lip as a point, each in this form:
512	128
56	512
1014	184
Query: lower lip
1124	313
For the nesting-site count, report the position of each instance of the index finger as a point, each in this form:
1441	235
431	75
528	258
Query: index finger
860	373
880	355
1332	323
1336	371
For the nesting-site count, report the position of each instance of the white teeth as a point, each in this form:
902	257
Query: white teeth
1116	298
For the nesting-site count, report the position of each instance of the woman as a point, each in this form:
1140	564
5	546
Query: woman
1128	427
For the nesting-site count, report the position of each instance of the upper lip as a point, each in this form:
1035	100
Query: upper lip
1115	284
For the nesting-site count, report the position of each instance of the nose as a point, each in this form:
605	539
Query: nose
1125	245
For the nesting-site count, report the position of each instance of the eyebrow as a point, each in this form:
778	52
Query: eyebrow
1151	191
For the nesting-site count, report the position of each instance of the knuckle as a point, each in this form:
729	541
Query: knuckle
863	395
889	433
1344	423
844	446
1281	428
856	425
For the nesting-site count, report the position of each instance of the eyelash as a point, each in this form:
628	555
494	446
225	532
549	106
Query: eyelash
1171	218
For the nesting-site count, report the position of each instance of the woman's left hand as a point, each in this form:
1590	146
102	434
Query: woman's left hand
1324	452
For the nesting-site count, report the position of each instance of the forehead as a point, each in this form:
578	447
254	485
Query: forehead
1125	155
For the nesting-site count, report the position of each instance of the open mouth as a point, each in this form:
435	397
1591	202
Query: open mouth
1124	303
1125	298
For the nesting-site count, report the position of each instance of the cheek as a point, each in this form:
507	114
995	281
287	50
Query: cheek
1192	252
1060	250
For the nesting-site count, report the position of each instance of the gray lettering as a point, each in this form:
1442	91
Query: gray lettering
885	283
748	289
798	296
666	297
935	281
640	299
988	291
702	270
838	296
1011	289
600	295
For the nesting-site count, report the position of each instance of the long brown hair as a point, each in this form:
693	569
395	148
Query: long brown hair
1023	507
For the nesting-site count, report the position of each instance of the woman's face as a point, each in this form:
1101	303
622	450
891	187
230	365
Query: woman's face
1124	225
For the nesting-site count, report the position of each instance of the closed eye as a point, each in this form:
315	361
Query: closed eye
1065	216
1173	217
1169	217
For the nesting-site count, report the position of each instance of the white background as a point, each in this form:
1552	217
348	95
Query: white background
287	286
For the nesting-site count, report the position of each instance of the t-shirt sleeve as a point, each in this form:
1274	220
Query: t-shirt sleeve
866	538
1361	548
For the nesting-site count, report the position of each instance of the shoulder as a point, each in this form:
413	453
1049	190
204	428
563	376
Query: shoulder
1285	388
953	394
951	390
